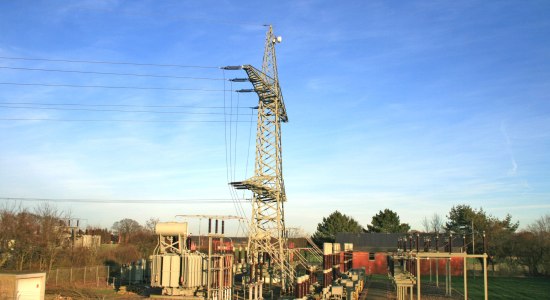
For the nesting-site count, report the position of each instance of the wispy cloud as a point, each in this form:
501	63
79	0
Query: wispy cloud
513	170
88	5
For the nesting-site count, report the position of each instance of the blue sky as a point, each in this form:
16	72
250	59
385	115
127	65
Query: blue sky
414	106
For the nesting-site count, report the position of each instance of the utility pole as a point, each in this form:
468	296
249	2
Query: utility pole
473	248
267	237
473	239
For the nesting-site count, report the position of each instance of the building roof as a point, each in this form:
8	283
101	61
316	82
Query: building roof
371	242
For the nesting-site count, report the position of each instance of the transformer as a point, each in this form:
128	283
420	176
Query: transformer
192	274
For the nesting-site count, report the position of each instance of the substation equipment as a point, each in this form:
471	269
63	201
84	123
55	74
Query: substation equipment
179	271
339	280
405	265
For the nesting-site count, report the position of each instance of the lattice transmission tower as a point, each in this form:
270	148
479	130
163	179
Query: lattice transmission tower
267	234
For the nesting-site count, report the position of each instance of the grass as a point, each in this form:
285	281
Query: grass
380	276
501	287
88	293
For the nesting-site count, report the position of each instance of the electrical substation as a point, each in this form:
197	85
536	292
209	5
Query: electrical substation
268	267
270	260
143	142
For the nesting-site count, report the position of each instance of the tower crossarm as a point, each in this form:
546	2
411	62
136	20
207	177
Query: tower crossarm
267	92
262	186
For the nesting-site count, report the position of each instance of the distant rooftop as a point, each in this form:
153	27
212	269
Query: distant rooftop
371	242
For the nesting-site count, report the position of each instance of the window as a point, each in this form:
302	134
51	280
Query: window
371	255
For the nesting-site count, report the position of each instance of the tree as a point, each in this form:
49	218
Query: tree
533	246
31	239
52	238
433	225
18	234
125	228
151	224
426	224
499	235
541	229
387	221
463	219
8	222
144	242
473	223
528	251
335	223
436	223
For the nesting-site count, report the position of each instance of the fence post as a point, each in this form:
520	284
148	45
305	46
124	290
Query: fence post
71	276
108	267
84	275
97	276
56	275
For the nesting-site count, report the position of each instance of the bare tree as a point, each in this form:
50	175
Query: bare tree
295	232
51	238
125	228
8	220
540	230
151	223
432	225
24	234
426	225
436	223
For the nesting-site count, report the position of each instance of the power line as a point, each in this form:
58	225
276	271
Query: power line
231	157
118	105
110	87
108	62
113	201
232	193
109	73
236	137
115	120
117	110
231	164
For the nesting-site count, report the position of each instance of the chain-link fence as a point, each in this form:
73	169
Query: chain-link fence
87	276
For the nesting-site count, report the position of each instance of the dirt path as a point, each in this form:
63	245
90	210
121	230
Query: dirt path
378	289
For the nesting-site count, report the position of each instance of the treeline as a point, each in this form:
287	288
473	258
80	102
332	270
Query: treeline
531	247
41	239
517	251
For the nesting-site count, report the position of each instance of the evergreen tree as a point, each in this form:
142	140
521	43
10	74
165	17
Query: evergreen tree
476	223
387	221
334	223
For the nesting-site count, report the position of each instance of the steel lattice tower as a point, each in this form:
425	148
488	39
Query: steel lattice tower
267	238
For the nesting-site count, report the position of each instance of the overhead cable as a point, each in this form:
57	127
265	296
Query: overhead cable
117	74
109	87
119	105
141	201
115	120
117	110
108	62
